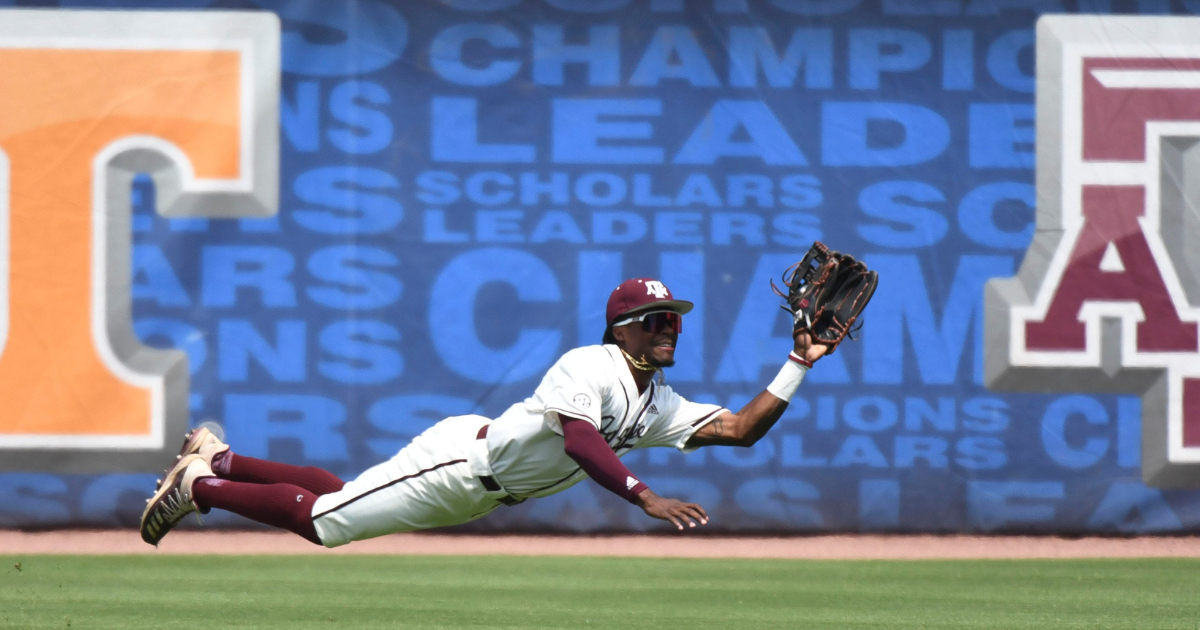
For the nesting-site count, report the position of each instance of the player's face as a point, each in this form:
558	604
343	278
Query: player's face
654	339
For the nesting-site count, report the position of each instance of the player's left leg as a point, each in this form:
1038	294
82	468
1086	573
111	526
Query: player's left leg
282	505
240	468
228	465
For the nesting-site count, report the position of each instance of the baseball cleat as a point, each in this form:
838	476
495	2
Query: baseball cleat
203	442
174	499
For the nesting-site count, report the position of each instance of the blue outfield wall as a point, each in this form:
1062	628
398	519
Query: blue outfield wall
463	182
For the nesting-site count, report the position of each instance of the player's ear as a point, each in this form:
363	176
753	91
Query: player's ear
618	334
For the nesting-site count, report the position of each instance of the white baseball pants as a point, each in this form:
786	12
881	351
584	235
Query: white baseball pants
432	482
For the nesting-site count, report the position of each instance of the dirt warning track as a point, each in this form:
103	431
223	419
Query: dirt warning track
839	547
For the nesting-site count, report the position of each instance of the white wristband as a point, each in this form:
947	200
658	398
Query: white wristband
790	375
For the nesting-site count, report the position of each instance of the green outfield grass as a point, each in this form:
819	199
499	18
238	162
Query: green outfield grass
251	592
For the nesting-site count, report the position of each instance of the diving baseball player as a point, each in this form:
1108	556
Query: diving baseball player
593	406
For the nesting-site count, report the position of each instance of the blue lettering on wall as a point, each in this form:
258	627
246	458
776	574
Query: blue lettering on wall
874	51
357	283
938	346
446	54
846	141
369	38
580	125
281	355
452	315
349	206
895	201
994	505
454	135
408	416
713	138
600	54
363	351
257	422
231	272
1054	431
781	500
368	129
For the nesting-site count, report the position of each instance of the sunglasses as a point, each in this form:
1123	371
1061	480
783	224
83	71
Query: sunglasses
656	321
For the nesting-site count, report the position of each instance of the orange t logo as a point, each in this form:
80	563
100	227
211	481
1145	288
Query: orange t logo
88	99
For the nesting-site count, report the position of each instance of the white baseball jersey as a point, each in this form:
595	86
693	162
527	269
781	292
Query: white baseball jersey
593	383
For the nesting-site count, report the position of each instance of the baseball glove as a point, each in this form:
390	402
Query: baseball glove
827	291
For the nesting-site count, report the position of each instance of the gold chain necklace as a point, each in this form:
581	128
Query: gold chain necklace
643	365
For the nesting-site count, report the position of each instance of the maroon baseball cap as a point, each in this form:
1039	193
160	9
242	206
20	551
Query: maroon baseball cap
642	294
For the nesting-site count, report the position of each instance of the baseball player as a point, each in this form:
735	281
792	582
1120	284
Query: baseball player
593	406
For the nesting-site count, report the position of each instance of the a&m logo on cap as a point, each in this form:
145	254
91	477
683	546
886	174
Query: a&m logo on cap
657	289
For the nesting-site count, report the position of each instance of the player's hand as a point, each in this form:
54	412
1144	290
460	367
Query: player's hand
805	347
672	510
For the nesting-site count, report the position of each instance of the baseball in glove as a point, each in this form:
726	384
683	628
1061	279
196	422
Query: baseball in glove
827	291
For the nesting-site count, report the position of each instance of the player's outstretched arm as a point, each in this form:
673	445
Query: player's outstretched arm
752	422
584	444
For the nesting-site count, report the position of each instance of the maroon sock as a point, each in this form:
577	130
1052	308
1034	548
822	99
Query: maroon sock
278	504
251	470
